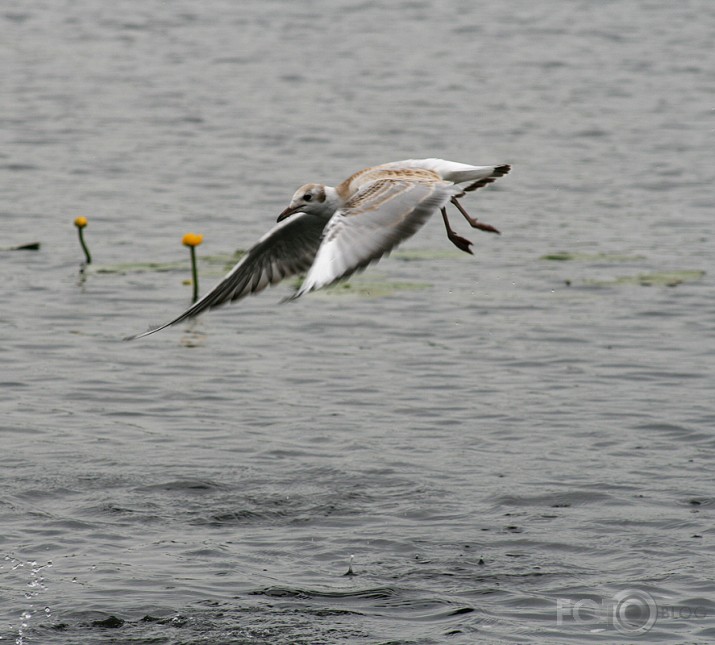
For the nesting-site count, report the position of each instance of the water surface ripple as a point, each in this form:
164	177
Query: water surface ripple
508	444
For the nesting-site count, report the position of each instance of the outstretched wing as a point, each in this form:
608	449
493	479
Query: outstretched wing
374	221
288	248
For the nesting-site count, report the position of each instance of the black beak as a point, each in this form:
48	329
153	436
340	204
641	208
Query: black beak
288	212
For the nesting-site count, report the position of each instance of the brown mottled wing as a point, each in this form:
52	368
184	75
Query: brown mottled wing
377	218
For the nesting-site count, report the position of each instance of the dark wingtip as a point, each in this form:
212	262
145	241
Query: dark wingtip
126	339
148	332
499	171
293	296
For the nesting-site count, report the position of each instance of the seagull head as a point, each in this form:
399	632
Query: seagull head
316	199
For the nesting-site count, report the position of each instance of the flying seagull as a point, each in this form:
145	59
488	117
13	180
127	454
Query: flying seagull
332	232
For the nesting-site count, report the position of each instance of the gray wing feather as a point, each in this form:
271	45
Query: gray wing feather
288	248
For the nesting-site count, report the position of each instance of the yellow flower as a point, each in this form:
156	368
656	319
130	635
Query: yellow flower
192	239
80	222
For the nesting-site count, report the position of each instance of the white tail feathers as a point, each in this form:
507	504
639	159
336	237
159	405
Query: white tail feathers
458	173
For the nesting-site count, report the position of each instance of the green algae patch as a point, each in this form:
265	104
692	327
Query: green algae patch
140	267
414	255
213	264
374	289
364	288
658	279
568	256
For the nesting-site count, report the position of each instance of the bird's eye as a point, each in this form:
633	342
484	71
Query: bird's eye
307	197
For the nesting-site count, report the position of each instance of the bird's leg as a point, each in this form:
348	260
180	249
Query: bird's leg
473	221
461	243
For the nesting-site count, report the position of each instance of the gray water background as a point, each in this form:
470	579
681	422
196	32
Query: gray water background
493	438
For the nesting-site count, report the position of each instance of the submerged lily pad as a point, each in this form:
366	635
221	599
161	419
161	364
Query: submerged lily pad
663	279
140	267
410	255
365	288
568	256
375	289
224	261
220	264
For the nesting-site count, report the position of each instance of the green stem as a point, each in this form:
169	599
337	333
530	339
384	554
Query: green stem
194	274
84	246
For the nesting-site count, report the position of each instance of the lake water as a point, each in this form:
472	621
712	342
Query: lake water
512	447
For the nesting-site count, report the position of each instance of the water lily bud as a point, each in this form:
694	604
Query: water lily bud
192	239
